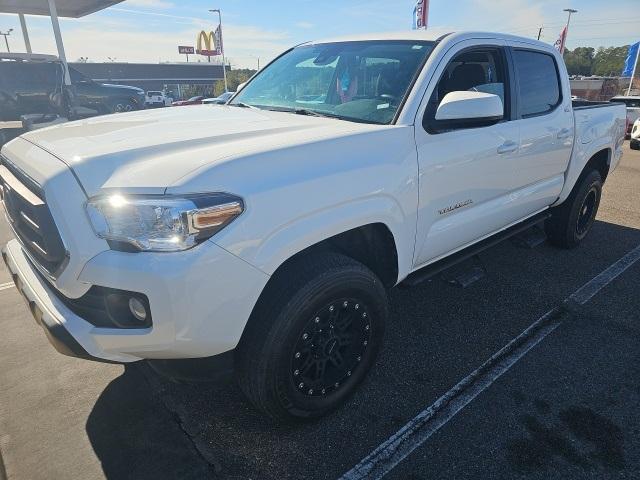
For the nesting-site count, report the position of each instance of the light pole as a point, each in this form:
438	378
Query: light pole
570	11
224	63
5	35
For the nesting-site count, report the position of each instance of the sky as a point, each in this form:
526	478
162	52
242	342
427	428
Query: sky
151	30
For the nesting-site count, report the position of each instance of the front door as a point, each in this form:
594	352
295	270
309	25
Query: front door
469	182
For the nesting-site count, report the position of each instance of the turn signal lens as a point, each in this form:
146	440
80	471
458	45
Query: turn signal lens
216	216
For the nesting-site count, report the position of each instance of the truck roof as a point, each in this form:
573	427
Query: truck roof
431	35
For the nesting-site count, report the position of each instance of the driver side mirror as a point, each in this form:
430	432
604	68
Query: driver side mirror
468	109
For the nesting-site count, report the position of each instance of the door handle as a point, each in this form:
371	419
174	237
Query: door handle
564	133
508	147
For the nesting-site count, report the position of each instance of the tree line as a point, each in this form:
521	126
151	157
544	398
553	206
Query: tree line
605	62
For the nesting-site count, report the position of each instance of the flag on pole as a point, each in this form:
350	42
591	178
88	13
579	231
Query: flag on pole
561	41
632	58
421	14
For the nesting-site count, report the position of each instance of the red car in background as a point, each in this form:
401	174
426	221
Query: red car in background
192	101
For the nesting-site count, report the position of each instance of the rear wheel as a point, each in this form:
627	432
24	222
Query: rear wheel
120	106
570	222
313	338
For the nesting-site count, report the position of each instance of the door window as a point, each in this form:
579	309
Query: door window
481	69
538	82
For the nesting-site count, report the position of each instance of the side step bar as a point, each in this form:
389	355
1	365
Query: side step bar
435	268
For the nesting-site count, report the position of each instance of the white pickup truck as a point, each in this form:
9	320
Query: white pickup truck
262	234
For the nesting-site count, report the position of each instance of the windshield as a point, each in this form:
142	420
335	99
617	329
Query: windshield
358	81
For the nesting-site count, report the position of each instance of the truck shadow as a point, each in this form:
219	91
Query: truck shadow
135	436
144	426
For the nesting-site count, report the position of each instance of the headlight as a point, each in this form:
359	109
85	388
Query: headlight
161	223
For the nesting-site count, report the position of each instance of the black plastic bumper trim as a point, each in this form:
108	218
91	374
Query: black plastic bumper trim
206	369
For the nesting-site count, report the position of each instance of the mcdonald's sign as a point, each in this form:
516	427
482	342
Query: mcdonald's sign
208	44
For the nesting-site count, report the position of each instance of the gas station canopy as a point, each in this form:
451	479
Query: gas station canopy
65	8
53	9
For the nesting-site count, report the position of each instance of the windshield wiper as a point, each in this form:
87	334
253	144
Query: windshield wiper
303	111
315	113
312	113
242	105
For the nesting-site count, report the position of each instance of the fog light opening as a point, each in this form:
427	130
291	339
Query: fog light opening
138	309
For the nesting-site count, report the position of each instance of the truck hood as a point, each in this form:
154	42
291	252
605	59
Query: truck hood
149	151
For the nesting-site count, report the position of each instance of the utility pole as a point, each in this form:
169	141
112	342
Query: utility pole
224	63
570	11
539	33
5	35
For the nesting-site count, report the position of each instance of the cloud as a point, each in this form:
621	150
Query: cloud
150	3
304	25
122	40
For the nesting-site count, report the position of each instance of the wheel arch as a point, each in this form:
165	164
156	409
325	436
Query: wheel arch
599	160
372	244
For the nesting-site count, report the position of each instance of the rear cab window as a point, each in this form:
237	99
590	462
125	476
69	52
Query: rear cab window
538	82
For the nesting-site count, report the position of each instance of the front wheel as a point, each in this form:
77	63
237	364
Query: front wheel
313	338
571	221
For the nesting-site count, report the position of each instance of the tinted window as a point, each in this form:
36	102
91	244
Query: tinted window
538	82
475	71
76	76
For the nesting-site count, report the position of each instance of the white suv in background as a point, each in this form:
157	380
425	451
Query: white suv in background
155	99
635	135
633	108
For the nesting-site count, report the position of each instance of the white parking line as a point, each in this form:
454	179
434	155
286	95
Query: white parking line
6	286
418	430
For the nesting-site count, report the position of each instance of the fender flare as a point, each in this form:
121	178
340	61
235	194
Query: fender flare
284	242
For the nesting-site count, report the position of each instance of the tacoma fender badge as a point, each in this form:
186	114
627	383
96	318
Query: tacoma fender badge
458	205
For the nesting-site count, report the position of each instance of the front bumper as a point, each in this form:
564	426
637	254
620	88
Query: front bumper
44	313
200	301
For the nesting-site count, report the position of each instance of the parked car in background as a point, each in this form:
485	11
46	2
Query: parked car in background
192	101
262	235
155	99
221	100
33	94
635	135
633	108
90	98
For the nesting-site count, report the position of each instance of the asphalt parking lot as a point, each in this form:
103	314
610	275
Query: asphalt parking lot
567	408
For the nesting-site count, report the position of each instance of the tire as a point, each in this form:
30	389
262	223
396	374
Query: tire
322	314
571	221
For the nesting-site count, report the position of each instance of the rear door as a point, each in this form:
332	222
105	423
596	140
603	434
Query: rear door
545	116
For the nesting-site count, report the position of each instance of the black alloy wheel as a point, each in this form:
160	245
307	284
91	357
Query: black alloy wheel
586	215
572	220
312	337
331	347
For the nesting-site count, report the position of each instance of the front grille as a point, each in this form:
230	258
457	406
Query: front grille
31	219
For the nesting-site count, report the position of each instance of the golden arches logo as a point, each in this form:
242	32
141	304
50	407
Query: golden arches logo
208	40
